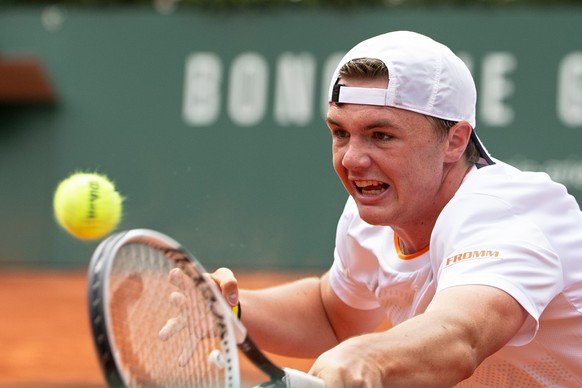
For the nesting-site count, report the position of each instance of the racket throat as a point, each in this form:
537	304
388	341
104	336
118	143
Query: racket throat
261	361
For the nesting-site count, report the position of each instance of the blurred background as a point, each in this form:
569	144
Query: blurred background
208	115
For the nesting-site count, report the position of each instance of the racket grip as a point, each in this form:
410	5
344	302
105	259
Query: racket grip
297	379
236	310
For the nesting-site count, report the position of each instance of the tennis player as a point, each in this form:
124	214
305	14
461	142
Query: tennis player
477	265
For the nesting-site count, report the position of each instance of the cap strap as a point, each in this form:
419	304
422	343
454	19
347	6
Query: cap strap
355	95
485	157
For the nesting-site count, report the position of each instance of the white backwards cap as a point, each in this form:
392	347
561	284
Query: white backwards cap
424	77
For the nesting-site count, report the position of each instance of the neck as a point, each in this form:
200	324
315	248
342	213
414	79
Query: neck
416	236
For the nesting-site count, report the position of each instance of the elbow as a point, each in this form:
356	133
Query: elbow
467	363
467	370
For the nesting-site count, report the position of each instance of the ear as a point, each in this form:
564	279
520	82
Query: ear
457	140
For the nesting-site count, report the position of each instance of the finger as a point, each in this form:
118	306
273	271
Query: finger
178	300
331	377
178	278
227	283
330	380
172	326
186	355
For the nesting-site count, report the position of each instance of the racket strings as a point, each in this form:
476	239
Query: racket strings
139	306
204	330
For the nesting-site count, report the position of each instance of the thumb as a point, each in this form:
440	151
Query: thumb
227	283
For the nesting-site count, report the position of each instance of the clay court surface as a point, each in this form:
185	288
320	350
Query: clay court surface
45	335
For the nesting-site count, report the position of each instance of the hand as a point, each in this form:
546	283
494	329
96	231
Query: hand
186	317
226	281
349	364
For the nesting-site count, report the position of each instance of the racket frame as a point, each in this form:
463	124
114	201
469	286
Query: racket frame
99	269
98	295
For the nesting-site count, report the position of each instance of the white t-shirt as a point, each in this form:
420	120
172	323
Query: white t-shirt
516	231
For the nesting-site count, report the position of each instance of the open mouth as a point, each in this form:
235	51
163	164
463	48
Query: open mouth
371	187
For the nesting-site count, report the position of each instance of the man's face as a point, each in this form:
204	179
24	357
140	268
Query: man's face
391	161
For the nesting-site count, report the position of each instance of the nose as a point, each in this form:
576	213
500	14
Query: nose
356	156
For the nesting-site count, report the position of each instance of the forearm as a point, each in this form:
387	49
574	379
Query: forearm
414	353
440	347
422	353
288	319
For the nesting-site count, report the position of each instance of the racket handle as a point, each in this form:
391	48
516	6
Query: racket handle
297	379
294	379
236	310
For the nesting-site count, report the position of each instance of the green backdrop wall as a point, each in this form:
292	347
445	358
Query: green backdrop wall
211	122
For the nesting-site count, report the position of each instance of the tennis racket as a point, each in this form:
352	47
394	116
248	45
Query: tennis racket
141	281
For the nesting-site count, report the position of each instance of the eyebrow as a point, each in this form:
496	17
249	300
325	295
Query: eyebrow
331	121
382	123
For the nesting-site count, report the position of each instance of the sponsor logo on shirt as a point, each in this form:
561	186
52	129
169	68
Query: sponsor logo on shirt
470	255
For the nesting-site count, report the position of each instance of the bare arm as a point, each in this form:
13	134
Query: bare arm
443	346
288	319
299	319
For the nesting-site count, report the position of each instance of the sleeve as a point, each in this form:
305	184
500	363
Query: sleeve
484	242
348	278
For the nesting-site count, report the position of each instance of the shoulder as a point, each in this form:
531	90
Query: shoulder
500	208
499	190
506	182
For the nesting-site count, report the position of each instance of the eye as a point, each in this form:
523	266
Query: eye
340	134
381	136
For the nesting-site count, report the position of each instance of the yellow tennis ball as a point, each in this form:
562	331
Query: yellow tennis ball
87	205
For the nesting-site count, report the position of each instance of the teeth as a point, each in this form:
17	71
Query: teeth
372	192
371	187
367	183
